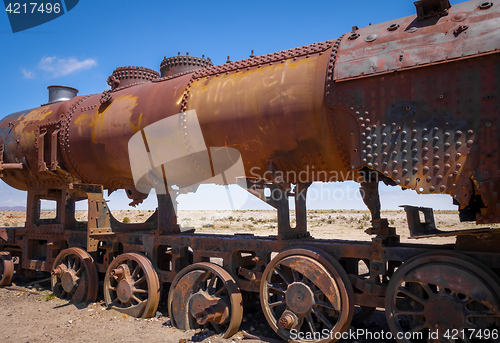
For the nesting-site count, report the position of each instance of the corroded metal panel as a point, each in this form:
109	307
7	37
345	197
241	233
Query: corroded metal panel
407	43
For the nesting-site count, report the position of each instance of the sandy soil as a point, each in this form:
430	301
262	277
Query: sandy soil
30	313
340	224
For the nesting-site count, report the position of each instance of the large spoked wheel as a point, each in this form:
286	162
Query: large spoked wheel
308	292
131	286
6	268
439	297
74	276
205	295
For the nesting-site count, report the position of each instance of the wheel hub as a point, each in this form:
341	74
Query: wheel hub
288	320
69	280
124	291
299	298
208	309
438	310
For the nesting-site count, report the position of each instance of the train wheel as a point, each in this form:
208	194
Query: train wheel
436	296
6	268
74	276
308	292
131	286
205	295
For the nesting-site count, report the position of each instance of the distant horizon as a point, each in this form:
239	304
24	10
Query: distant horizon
332	196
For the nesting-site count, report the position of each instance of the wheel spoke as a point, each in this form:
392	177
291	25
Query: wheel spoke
306	281
220	291
278	303
210	287
275	287
408	313
409	293
136	271
112	289
205	276
323	319
318	292
326	305
482	314
282	274
140	291
138	282
139	301
427	289
296	277
310	322
76	264
80	271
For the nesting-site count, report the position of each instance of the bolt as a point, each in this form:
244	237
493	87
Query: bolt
286	321
118	272
57	272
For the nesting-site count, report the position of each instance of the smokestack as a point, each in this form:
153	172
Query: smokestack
61	93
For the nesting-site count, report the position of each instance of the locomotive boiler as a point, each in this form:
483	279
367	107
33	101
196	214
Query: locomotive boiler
413	103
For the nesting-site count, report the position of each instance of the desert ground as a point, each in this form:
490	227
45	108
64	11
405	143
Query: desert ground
336	224
31	313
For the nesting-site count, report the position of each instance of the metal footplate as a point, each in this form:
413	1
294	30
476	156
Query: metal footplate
422	225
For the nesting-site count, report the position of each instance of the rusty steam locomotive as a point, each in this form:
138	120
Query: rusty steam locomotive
413	102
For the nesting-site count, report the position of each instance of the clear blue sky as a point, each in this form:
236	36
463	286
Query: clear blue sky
83	47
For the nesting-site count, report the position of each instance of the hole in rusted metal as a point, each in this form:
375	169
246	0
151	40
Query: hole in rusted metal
48	209
37	249
353	36
272	255
217	260
245	259
164	257
421	216
485	5
117	249
393	27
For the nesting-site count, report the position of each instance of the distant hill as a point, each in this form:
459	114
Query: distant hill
12	208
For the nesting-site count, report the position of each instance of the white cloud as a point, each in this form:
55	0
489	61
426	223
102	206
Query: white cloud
56	66
28	74
10	201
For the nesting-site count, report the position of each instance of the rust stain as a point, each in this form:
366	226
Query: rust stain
112	118
36	115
